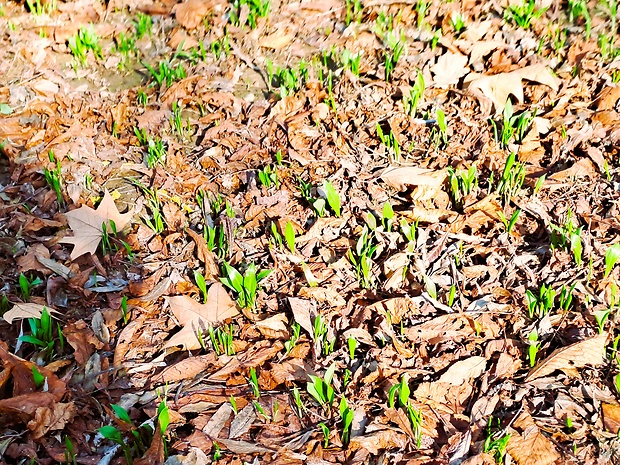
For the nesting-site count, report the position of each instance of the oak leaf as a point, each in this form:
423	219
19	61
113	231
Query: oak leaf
498	87
195	317
87	225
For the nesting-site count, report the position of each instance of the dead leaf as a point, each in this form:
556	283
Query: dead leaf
464	370
450	67
28	310
189	14
402	177
499	86
274	327
87	228
532	447
194	316
611	417
587	352
53	418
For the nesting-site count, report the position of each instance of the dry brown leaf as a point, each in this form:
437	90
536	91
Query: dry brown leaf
303	312
212	271
194	316
323	294
189	14
276	41
185	369
402	177
499	86
532	448
83	340
583	167
428	215
87	228
449	68
587	352
611	417
380	440
273	327
53	418
464	370
28	310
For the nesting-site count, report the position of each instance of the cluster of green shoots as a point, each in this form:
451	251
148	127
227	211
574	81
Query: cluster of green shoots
134	440
256	9
513	127
213	208
155	148
45	335
462	183
327	196
399	397
523	14
245	285
85	40
156	220
540	305
53	177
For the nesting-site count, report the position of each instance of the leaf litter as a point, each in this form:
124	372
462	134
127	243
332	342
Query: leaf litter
316	232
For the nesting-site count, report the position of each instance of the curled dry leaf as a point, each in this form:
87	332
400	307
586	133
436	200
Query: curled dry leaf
87	225
587	352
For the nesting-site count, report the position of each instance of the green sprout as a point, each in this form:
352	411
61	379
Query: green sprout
245	285
362	258
462	183
612	255
416	93
26	285
512	179
522	15
321	389
42	334
496	443
54	178
568	237
85	39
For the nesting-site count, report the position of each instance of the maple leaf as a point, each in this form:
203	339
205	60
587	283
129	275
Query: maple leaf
87	225
194	316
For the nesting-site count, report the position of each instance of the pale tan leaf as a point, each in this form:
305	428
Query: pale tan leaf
303	311
323	294
611	417
276	41
587	352
464	370
428	215
87	225
273	327
402	177
185	369
499	86
195	317
450	67
27	310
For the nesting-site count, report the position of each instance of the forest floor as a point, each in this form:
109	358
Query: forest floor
326	231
